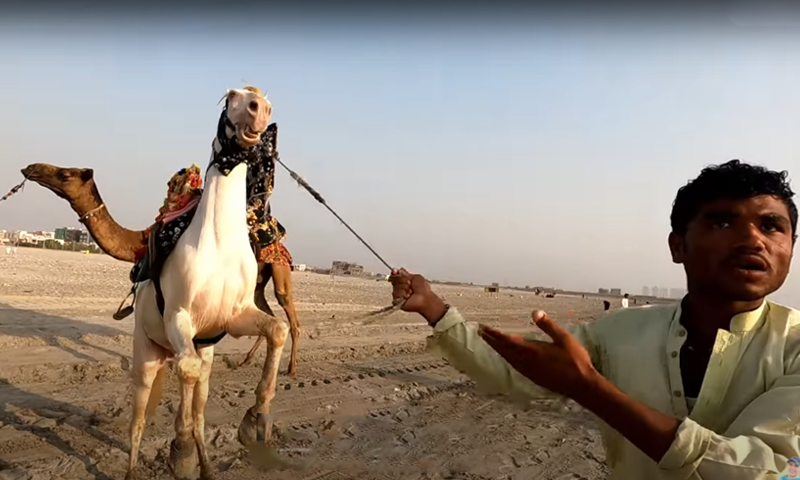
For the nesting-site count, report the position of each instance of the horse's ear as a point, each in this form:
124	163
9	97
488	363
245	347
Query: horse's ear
87	174
228	94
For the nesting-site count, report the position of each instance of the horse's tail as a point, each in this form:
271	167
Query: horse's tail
156	391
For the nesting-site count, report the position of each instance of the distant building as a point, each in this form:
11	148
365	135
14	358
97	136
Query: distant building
677	293
663	292
615	291
646	291
24	236
299	267
345	268
602	291
68	234
43	235
654	291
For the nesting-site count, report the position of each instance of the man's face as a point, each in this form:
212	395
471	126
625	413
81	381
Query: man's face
737	250
793	468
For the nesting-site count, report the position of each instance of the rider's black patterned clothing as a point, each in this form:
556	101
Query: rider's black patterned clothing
265	229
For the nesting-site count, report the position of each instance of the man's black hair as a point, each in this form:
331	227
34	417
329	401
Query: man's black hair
731	180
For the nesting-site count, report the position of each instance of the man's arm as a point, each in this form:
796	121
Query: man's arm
460	343
648	429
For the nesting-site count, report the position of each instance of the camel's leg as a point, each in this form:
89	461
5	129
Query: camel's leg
148	360
180	332
253	321
282	280
265	273
206	354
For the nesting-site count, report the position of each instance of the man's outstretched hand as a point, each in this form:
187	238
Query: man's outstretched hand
562	366
565	367
417	293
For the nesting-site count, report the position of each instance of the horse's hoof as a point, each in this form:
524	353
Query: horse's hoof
131	475
248	429
253	429
183	459
206	474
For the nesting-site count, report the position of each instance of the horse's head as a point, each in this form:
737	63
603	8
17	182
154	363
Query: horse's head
247	113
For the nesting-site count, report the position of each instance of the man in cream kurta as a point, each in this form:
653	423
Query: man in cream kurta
705	389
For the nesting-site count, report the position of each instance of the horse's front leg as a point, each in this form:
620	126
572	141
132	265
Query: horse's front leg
255	322
178	325
199	400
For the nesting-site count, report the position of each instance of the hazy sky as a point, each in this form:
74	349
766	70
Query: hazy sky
527	153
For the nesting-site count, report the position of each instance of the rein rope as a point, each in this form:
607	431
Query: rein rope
13	190
300	181
398	303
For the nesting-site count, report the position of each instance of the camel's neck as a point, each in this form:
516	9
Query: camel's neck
111	237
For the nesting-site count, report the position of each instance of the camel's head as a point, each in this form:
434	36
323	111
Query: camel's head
68	183
248	113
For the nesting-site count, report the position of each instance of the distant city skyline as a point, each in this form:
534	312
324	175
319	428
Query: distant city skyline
663	292
59	234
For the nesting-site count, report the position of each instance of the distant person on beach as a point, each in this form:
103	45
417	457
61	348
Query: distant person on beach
625	301
606	304
641	370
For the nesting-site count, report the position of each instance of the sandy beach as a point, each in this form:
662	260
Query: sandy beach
369	402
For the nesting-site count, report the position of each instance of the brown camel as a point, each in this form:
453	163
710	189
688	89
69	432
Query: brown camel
77	186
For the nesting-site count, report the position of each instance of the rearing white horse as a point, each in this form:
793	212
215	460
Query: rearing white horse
206	291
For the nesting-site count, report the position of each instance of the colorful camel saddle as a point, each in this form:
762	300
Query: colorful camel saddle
184	191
